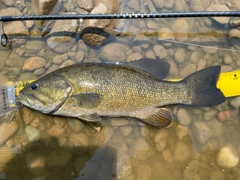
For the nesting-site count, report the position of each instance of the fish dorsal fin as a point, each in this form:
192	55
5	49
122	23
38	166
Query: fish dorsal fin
90	117
156	67
87	99
159	117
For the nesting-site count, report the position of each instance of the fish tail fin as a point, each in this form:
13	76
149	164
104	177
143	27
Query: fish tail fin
203	83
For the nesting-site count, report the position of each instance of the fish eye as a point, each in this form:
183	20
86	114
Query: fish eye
34	86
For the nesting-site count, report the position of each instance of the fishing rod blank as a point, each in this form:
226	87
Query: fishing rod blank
125	15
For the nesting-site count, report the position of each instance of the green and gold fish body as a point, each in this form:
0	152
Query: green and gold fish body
88	91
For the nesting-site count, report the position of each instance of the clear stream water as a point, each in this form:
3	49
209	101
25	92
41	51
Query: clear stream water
201	142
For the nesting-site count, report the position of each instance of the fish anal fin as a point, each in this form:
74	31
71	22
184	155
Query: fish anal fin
158	117
96	125
87	99
90	117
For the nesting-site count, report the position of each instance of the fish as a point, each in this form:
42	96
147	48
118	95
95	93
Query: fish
89	91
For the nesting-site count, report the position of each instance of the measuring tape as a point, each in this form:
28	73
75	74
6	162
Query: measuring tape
228	83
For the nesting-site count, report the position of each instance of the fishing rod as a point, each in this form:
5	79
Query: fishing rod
124	15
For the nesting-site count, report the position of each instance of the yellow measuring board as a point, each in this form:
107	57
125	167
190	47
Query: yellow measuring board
228	83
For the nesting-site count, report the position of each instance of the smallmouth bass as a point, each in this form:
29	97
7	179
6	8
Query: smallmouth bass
90	90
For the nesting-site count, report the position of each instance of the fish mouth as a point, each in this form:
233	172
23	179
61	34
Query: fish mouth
22	99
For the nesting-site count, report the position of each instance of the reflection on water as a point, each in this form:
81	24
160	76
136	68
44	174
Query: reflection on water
201	143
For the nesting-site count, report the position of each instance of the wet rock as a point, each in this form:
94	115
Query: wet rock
144	172
142	149
234	35
79	142
217	174
183	117
10	12
32	133
97	31
217	128
160	140
16	28
33	63
59	158
54	131
165	34
167	156
126	130
227	157
219	7
7	154
150	54
227	59
180	28
124	166
174	71
63	35
76	124
67	63
134	56
224	116
235	102
181	131
36	163
118	122
8	2
114	52
160	51
201	132
187	70
191	170
7	130
209	115
158	3
141	40
182	152
134	5
180	55
85	4
57	59
201	64
41	7
169	4
80	56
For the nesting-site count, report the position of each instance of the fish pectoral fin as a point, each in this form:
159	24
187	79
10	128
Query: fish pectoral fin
87	99
156	67
159	117
90	117
96	125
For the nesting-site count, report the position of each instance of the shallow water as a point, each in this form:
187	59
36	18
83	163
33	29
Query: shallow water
201	143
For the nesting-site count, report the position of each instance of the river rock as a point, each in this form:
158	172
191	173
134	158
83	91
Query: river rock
201	132
36	163
183	117
85	4
16	28
160	140
158	3
165	34
144	172
227	157
187	70
217	174
8	2
7	154
76	124
7	130
180	28
160	51
10	12
97	31
59	158
79	142
123	166
126	130
180	55
191	170
182	151
209	115
32	133
219	7
235	36
235	102
118	122
115	52
43	7
80	56
62	36
134	56
33	63
217	128
201	64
